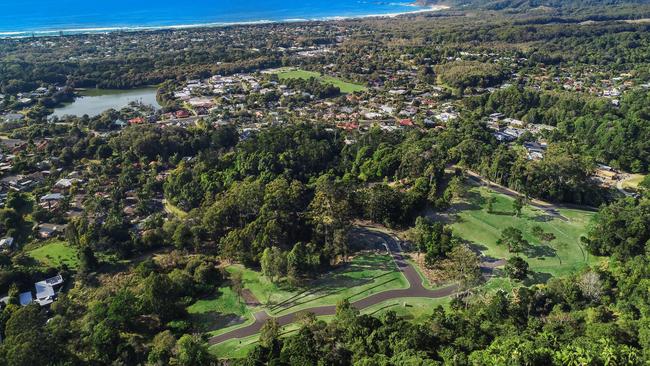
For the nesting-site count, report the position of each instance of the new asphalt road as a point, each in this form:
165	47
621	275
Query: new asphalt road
416	289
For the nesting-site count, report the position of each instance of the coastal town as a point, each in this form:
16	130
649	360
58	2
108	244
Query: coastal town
445	180
393	99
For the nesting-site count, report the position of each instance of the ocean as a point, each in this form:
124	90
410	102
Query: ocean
47	17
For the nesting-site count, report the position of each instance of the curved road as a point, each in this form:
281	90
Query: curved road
416	289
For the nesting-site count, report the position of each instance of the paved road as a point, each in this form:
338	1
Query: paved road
416	289
549	208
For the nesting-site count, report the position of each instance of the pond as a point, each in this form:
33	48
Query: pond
95	101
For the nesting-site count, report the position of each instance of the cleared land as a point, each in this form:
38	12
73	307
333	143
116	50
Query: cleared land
481	229
633	181
239	348
364	275
344	86
219	314
416	309
55	253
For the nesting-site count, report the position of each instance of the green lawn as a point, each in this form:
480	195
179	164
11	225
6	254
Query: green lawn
220	313
55	253
415	308
365	275
234	348
564	255
344	86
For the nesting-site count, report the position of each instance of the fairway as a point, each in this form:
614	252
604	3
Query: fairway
562	256
344	86
55	253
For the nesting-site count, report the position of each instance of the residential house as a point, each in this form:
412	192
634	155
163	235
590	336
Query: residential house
66	183
535	150
51	201
6	243
45	290
47	230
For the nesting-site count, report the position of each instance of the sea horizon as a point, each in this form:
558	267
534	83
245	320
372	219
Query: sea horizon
132	19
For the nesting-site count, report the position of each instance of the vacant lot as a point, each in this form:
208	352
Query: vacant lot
55	253
416	309
344	86
219	313
364	275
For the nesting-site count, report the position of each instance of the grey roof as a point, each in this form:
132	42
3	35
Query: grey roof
13	117
45	289
52	197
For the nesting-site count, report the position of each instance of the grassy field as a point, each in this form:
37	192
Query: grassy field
219	314
344	86
234	348
55	253
365	275
562	256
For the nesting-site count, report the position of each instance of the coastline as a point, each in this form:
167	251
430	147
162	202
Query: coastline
142	28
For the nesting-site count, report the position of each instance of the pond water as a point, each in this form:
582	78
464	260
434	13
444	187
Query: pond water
95	101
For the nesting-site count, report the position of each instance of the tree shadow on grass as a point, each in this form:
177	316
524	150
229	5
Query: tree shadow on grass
332	286
361	239
213	320
473	201
346	276
475	247
536	278
540	251
495	272
542	218
383	308
502	213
